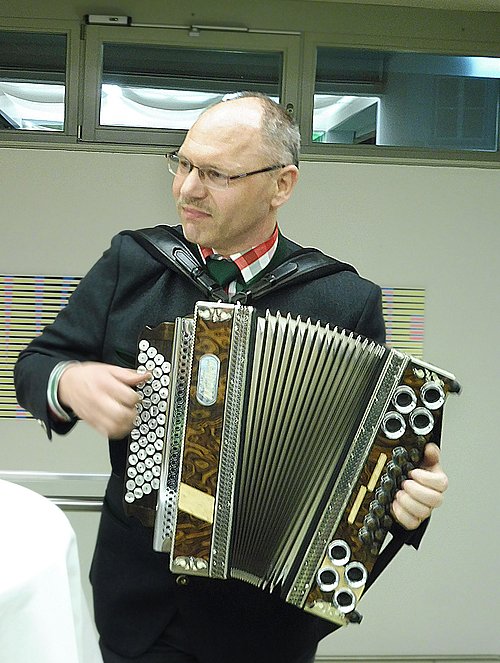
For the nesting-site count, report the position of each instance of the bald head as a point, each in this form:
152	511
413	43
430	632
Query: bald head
240	110
235	123
278	135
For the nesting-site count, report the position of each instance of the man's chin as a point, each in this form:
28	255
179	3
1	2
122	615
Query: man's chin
193	233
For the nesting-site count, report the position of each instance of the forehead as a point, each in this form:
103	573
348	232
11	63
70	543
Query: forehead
226	136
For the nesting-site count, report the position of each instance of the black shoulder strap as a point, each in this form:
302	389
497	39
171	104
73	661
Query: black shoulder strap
168	246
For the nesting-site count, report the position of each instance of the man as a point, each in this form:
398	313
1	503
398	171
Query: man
235	169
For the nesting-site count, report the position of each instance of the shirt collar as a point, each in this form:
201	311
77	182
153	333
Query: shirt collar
250	262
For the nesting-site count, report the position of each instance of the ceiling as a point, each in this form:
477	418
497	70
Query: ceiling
457	5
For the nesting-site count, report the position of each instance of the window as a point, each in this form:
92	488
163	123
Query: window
152	84
32	81
406	100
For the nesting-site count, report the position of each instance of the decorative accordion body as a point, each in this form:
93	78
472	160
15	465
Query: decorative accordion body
269	449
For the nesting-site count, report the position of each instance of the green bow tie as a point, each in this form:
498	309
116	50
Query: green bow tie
222	270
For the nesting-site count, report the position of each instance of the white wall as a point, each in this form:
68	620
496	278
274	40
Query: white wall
431	227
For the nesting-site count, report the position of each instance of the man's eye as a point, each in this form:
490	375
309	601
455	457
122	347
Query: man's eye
215	176
184	165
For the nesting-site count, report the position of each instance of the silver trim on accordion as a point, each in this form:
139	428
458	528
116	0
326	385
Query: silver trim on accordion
284	443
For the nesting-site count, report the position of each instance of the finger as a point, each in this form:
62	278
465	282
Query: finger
128	375
432	456
425	494
126	395
420	508
408	520
122	388
434	480
115	420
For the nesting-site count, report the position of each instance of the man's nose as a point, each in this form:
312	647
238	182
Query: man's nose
193	184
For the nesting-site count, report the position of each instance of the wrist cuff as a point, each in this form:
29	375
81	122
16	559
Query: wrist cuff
55	407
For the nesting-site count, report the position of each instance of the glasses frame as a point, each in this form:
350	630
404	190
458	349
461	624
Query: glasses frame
173	158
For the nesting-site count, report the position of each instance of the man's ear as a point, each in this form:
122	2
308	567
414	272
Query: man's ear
285	183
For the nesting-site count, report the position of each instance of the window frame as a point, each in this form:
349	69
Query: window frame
72	33
97	36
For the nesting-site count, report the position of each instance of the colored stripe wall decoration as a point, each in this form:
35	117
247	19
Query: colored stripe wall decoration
29	303
404	310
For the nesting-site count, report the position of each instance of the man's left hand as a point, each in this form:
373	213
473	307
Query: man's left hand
422	491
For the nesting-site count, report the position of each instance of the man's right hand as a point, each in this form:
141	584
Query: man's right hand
103	395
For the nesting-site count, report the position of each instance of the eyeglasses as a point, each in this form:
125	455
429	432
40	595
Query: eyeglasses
210	177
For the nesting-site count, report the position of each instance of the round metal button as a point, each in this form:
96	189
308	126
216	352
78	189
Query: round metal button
182	580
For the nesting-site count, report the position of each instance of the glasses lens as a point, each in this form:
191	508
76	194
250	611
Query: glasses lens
214	179
211	178
172	162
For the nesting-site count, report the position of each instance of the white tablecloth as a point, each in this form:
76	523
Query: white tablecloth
44	617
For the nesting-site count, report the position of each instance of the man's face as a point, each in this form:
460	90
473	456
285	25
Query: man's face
227	139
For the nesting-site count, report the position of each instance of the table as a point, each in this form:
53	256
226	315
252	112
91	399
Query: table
44	616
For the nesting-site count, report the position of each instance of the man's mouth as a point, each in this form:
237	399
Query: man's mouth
194	213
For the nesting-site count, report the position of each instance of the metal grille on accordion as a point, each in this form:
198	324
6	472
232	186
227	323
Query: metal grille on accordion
283	445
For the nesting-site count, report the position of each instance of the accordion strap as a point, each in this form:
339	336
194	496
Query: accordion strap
168	246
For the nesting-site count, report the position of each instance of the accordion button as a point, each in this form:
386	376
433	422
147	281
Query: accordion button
387	484
400	456
365	536
394	471
370	523
182	580
386	522
382	497
377	509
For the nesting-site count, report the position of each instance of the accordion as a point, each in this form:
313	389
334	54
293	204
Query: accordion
269	449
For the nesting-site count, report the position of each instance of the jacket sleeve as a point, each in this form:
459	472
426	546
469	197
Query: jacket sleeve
76	334
371	320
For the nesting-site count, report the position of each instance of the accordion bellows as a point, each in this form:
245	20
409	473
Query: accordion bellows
269	449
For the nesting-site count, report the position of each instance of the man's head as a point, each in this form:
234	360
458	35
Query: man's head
238	136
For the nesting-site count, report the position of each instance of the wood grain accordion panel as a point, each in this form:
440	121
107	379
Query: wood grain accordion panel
269	449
